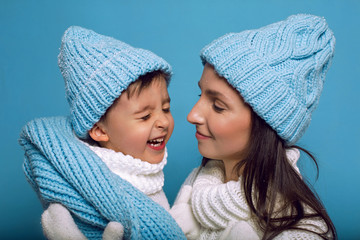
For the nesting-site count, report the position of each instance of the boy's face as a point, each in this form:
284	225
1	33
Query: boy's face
141	125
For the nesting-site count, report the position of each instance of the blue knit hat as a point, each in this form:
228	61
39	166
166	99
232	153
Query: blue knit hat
278	69
96	70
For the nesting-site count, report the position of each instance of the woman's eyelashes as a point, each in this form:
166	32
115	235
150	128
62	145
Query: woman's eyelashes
166	110
217	108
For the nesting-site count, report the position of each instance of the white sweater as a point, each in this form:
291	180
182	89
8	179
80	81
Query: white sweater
147	177
220	210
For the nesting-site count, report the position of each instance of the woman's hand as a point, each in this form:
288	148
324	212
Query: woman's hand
182	213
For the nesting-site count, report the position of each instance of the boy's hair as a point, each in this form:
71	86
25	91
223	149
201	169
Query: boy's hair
144	81
140	84
96	70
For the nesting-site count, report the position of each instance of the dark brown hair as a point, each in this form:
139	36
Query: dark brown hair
267	172
144	81
140	84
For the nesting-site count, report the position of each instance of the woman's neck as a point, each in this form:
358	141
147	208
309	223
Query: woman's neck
230	173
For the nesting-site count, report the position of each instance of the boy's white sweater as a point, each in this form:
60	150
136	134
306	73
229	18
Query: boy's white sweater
147	177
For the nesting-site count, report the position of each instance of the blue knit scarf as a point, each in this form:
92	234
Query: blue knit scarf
60	168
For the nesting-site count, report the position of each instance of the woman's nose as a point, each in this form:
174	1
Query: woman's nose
196	115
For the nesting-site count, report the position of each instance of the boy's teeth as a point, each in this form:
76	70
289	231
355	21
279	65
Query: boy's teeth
156	142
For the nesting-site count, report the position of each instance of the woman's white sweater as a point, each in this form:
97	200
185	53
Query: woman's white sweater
220	210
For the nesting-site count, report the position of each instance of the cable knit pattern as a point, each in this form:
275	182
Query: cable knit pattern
62	169
216	204
147	177
278	69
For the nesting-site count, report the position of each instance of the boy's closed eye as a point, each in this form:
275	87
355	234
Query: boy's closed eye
145	117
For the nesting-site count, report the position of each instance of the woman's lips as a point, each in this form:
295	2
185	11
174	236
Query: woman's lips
201	136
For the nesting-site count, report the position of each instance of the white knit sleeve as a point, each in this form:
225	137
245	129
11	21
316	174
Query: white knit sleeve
297	234
293	155
215	203
314	225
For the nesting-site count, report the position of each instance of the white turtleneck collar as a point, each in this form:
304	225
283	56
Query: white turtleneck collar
147	177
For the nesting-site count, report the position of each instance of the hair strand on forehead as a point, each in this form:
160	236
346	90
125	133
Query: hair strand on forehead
145	81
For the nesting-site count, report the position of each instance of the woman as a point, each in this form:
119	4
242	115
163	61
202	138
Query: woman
258	91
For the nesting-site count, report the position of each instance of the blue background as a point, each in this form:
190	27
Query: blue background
31	86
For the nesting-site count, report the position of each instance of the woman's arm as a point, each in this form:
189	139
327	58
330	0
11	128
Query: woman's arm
182	211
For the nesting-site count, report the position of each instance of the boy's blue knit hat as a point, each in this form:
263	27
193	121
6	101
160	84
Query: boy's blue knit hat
278	69
96	70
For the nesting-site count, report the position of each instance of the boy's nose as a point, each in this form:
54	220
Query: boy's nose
196	116
162	121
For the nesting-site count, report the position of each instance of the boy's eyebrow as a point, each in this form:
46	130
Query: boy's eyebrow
147	107
142	109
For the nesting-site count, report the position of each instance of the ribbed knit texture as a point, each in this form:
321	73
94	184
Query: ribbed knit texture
62	169
147	177
96	70
278	69
216	205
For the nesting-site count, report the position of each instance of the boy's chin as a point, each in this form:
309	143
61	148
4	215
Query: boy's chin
154	159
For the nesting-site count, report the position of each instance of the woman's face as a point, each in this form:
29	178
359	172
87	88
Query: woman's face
222	119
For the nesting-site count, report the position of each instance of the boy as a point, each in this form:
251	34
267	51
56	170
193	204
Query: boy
120	109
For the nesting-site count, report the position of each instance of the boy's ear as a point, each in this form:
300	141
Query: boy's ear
98	134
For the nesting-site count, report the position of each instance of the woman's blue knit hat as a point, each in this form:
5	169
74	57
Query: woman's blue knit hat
96	70
278	69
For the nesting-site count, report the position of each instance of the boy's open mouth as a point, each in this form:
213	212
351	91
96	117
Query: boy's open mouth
156	144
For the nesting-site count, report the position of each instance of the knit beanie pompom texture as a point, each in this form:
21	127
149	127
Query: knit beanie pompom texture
278	69
96	70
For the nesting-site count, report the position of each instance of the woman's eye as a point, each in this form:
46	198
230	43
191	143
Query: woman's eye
217	108
146	117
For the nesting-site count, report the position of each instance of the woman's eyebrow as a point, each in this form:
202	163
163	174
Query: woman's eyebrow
167	100
212	93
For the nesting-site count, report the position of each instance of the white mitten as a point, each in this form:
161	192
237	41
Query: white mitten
58	224
113	231
183	215
239	231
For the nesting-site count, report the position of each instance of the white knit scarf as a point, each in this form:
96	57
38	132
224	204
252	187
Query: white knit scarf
147	177
217	204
